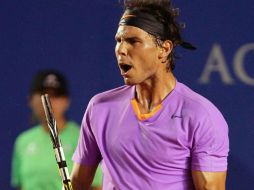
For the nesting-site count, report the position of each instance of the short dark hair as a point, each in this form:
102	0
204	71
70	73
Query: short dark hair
164	13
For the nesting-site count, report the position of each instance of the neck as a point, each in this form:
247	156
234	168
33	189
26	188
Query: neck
152	92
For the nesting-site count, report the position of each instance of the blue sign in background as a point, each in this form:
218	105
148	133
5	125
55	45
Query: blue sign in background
77	38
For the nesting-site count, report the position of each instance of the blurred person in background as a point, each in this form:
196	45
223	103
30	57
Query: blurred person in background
34	166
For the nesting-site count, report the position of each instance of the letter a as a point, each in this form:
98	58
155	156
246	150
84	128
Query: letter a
216	63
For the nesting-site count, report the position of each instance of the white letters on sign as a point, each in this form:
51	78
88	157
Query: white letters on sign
216	63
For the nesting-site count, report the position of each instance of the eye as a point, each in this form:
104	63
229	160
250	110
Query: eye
133	41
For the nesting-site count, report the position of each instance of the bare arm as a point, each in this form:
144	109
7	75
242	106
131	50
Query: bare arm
209	180
82	176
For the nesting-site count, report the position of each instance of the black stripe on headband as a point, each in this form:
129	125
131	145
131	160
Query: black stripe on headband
144	21
150	24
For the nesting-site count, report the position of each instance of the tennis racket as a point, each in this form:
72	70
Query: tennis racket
59	153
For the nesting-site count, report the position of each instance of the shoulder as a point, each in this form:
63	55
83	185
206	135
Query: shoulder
108	102
205	121
197	105
193	100
72	127
115	95
28	134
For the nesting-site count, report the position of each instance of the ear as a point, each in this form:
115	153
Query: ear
165	49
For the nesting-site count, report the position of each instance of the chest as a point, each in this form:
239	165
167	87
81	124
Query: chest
165	139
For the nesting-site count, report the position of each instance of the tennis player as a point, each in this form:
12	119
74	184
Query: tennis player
154	132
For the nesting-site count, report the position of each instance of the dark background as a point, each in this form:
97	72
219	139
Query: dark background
77	38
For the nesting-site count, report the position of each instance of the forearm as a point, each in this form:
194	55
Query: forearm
82	176
79	186
209	180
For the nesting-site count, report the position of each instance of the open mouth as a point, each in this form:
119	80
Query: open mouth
125	68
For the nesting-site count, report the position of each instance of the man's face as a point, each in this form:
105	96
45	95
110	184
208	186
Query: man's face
137	55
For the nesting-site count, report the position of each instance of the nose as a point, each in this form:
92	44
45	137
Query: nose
121	48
